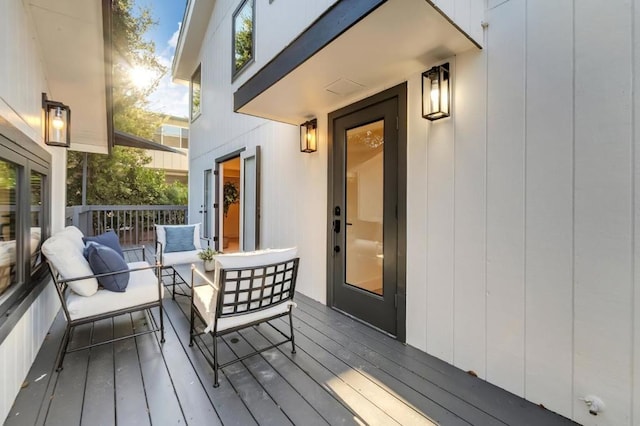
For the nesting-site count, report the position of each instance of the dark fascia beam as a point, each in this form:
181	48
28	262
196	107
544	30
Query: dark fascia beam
107	31
335	21
133	141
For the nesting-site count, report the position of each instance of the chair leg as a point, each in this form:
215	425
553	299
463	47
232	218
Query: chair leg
173	293
161	323
191	333
215	362
63	348
293	340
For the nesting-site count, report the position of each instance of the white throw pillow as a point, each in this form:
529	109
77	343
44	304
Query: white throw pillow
63	252
161	235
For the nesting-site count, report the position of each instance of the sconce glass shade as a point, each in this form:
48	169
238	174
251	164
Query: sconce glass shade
57	123
436	90
309	136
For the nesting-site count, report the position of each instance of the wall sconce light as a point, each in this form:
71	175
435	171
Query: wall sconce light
309	136
57	123
436	89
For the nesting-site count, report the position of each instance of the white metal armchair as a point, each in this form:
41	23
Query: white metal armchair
176	245
247	289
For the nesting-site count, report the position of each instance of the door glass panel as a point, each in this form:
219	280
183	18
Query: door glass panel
206	219
364	206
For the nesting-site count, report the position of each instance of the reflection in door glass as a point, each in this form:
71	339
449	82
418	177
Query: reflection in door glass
364	206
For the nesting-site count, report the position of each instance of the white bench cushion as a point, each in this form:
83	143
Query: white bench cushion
202	296
142	288
180	257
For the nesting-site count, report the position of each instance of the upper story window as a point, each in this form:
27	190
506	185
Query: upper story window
243	36
196	80
173	136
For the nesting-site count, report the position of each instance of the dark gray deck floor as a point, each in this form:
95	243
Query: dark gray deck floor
343	373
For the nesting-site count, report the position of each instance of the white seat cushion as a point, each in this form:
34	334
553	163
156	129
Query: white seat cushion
142	288
202	295
180	257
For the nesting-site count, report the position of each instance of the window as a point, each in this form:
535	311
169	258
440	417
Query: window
243	36
37	218
24	222
196	81
8	225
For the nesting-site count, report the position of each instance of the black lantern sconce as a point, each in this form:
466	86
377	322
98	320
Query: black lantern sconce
436	93
309	136
57	123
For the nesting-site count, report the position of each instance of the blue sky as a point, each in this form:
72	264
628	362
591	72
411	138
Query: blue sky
169	98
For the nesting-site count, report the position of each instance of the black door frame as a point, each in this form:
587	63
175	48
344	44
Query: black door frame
217	238
399	92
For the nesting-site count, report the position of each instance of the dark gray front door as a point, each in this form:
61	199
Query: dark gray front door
364	228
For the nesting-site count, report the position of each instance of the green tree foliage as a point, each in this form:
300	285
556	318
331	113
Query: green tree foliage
121	178
244	36
131	51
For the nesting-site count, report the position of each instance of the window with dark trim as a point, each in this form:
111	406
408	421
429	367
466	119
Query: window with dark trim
243	36
24	220
196	90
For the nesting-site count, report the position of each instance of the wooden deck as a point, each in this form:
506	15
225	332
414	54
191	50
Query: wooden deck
343	373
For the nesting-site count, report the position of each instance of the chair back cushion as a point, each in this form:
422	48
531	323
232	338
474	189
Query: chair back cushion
65	252
179	239
161	235
109	239
254	288
103	260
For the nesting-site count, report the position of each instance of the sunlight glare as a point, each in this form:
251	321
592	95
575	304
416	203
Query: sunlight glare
142	77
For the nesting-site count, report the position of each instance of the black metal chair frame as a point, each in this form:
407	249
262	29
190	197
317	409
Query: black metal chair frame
61	287
264	279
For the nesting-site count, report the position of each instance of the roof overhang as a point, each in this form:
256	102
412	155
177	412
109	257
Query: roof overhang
133	141
192	34
71	36
353	48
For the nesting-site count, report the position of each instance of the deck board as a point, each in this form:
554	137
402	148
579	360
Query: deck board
344	373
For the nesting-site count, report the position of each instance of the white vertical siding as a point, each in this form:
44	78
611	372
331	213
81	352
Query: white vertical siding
469	238
505	197
635	350
440	202
417	215
22	79
549	204
467	14
603	206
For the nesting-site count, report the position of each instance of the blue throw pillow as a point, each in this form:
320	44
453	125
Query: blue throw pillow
102	260
109	239
179	238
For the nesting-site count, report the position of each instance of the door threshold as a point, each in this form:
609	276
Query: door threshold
364	323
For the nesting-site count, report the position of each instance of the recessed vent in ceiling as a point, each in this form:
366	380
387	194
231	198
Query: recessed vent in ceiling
344	87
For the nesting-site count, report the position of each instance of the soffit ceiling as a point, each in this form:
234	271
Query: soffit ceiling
396	40
71	39
192	32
